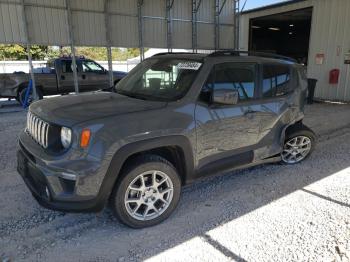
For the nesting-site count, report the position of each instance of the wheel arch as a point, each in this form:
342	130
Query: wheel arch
25	84
294	127
176	149
290	128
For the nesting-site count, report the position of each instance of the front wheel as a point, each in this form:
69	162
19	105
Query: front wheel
298	145
147	193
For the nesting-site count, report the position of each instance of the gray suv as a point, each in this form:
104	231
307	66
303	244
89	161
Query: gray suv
174	118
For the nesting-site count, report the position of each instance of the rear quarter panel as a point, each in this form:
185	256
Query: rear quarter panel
9	83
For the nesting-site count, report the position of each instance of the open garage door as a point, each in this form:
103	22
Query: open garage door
284	33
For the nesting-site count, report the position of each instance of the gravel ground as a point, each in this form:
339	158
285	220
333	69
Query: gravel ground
266	213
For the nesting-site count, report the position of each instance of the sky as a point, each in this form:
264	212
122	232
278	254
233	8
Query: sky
258	3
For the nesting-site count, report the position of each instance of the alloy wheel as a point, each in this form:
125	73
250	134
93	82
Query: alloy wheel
149	195
296	149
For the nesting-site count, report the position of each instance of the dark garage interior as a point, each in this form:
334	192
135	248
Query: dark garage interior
284	33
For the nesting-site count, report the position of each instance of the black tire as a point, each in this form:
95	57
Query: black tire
300	131
139	166
22	94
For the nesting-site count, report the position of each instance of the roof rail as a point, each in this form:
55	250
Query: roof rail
251	53
169	53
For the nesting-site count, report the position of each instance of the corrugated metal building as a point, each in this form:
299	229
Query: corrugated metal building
182	24
329	39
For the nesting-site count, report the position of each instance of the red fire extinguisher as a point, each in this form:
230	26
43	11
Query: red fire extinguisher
334	76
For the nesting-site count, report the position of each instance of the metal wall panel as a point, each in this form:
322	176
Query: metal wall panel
47	26
226	37
206	11
92	5
11	27
182	9
154	8
226	16
154	33
121	37
121	6
206	38
329	36
182	34
89	28
52	3
47	23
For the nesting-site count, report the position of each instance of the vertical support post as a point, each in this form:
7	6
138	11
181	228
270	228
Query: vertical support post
216	24
60	48
110	66
169	6
27	40
236	17
72	47
140	28
194	26
195	7
109	42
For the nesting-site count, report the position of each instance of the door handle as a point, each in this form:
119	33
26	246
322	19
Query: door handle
83	76
249	112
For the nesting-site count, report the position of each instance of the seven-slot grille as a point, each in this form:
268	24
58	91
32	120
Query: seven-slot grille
38	129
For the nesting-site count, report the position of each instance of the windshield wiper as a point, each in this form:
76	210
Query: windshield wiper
132	95
143	96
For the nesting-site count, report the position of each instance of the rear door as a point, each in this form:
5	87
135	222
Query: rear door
276	104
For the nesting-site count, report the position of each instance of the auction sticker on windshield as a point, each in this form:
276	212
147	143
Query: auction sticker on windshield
189	65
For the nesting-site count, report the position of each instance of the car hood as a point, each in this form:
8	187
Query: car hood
73	109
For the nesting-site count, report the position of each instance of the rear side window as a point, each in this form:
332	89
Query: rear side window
276	80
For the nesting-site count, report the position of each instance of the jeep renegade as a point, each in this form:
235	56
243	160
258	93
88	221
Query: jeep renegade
174	118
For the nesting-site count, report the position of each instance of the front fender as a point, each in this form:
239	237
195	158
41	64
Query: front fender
122	154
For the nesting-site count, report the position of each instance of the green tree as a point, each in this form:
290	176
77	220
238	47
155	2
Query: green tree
19	52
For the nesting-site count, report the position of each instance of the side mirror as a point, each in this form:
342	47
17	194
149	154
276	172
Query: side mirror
225	96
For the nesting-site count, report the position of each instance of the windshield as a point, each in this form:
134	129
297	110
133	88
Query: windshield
162	79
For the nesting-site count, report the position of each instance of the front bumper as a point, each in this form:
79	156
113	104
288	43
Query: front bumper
54	191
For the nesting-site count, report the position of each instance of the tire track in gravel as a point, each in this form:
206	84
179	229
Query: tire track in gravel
46	232
28	222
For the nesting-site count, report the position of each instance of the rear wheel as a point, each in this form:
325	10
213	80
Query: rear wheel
298	145
147	193
22	96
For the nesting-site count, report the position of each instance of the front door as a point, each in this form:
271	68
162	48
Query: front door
227	130
65	76
94	76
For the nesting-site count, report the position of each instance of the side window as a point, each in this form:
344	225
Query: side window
236	76
91	66
66	66
276	80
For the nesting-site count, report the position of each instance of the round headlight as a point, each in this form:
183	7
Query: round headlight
66	136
